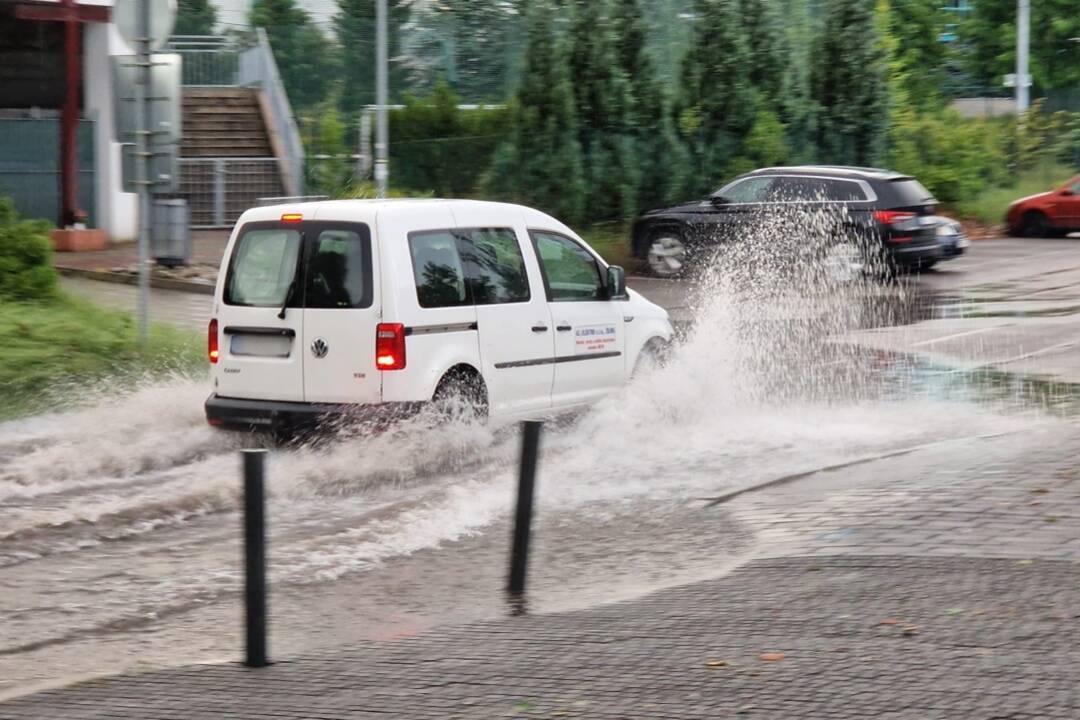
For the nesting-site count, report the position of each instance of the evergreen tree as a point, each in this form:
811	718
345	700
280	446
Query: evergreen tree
195	17
848	86
717	106
306	60
540	164
604	106
796	109
769	49
354	26
661	155
916	57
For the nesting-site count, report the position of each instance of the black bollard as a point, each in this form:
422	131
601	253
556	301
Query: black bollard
519	553
255	557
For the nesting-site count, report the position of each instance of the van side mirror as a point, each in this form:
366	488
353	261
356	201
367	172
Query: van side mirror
616	282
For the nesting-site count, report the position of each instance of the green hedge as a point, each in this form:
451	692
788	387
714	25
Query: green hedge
26	269
436	147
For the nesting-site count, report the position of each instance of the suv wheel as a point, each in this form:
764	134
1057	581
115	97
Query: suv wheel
843	262
666	256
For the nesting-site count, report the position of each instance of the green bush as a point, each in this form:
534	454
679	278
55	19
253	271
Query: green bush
26	270
437	147
990	204
954	157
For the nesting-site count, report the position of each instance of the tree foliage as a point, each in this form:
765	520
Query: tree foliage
540	163
989	42
354	28
848	86
195	17
717	102
306	60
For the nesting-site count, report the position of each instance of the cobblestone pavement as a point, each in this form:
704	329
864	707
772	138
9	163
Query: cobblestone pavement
908	587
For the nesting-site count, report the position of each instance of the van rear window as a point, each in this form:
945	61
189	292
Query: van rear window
263	267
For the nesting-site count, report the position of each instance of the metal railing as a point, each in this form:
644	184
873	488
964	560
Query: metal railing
210	61
258	69
219	190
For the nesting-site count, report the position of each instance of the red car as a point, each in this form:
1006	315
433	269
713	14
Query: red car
1056	212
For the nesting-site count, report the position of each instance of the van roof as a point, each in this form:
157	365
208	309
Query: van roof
368	210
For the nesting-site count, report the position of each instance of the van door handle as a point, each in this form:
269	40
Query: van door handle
564	328
539	328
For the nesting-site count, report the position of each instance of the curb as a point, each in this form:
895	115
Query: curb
191	286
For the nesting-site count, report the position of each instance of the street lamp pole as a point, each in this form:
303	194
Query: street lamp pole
1023	33
382	141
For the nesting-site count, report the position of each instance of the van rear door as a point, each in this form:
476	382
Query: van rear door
340	315
259	336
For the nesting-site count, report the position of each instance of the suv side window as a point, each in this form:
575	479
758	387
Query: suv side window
844	191
750	190
495	266
571	273
437	268
338	271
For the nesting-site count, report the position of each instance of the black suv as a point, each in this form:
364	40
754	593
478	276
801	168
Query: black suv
883	213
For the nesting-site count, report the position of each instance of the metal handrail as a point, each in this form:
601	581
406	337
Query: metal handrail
258	68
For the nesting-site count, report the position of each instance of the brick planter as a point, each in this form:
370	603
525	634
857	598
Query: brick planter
79	240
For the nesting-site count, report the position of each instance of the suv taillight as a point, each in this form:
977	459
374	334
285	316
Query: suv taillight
898	220
390	346
212	341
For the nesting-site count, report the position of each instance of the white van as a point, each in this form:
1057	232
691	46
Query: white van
381	306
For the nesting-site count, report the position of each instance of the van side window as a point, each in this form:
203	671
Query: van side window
338	271
437	268
495	266
262	268
570	271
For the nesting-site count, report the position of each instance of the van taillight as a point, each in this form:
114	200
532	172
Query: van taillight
390	346
212	341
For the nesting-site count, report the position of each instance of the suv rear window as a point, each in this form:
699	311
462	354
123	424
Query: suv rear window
263	267
909	191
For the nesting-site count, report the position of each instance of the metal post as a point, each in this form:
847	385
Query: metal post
519	555
219	192
1023	35
69	120
382	140
255	558
142	155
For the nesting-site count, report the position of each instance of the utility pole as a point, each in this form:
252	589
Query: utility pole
1023	34
382	140
142	155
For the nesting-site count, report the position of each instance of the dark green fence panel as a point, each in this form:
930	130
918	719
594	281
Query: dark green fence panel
30	166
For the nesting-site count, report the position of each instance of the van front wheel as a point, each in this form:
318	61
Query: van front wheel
461	393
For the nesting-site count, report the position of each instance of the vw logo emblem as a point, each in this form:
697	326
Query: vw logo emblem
319	348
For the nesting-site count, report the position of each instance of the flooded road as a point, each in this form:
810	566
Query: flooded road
119	523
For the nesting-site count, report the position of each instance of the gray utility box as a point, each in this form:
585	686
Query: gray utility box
170	234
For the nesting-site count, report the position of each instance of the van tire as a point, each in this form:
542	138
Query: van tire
655	354
461	392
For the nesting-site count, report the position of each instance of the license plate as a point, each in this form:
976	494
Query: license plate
927	221
261	345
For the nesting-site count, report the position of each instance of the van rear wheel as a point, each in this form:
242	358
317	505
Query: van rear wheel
461	394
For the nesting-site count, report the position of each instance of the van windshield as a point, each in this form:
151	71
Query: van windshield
263	267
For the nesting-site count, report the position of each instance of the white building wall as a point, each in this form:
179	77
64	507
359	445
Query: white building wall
116	211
